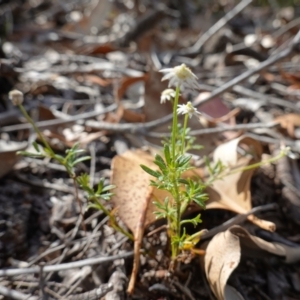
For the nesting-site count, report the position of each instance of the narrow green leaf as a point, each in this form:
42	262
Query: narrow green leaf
59	158
100	186
83	179
200	201
183	181
183	160
36	147
167	154
108	187
80	159
29	154
106	196
160	162
150	171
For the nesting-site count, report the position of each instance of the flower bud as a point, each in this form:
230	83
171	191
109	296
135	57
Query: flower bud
16	97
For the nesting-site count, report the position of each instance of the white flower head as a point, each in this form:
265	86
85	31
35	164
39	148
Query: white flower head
167	95
187	109
16	97
180	76
288	152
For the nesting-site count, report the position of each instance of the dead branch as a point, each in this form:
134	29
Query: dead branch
293	47
196	49
66	266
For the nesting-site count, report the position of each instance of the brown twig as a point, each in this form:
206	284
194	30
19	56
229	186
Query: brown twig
138	236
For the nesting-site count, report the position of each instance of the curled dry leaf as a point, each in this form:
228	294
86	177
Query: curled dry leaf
223	255
233	191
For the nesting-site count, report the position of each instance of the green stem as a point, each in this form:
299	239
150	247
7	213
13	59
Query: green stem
196	235
175	122
186	118
112	219
250	167
261	163
177	227
40	135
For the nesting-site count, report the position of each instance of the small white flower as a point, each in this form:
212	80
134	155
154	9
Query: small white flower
167	95
187	109
180	76
16	97
285	150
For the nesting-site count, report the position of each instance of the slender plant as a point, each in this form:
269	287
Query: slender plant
69	161
174	162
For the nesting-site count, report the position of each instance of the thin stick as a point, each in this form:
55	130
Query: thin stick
93	163
94	294
76	194
237	220
13	294
50	123
264	99
263	65
196	49
215	130
66	266
41	282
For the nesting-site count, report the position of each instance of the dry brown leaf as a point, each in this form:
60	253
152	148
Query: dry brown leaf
133	198
222	256
224	251
97	80
289	122
133	117
90	49
233	191
133	186
127	82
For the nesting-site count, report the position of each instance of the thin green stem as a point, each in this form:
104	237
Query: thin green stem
186	118
196	235
112	218
40	135
250	167
175	122
261	163
178	215
175	228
